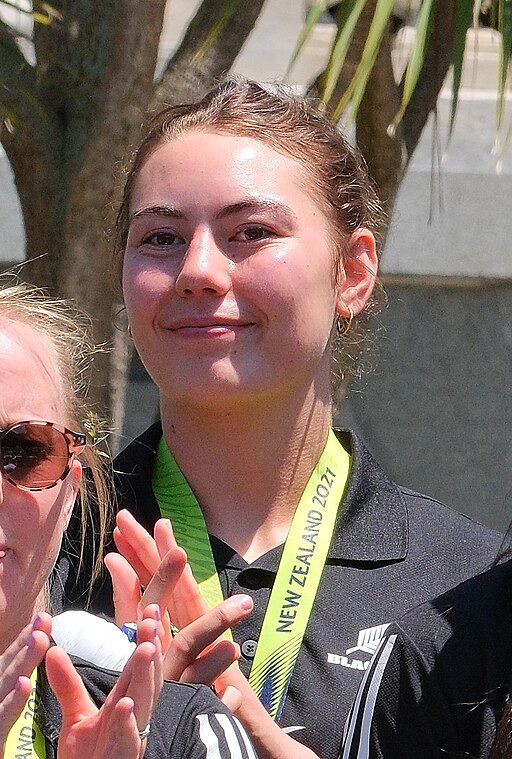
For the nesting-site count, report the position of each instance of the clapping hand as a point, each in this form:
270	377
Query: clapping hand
16	666
197	653
157	564
114	730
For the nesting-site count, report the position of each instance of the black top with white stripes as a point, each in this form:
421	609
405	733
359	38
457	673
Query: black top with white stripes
437	685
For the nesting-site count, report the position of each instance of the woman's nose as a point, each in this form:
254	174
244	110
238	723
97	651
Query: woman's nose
205	270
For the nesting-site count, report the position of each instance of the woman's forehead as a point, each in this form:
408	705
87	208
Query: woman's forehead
220	165
30	374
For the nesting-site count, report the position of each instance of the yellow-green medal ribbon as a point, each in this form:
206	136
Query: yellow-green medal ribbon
300	569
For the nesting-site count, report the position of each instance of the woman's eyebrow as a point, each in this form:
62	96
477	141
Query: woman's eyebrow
280	209
272	206
169	211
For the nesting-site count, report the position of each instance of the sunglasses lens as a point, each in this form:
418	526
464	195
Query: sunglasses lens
35	456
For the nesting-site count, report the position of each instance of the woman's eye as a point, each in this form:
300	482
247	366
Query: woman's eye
253	234
159	239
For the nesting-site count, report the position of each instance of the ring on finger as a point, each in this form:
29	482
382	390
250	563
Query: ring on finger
144	733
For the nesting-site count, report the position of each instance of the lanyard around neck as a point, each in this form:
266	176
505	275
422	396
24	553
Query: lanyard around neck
300	569
25	739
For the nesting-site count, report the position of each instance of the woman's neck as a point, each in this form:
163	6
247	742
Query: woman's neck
247	468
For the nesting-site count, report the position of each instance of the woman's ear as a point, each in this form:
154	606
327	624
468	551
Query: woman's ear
72	486
358	272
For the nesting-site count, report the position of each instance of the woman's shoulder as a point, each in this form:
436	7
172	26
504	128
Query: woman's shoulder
470	620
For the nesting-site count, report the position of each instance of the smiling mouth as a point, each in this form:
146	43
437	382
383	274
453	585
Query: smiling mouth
210	328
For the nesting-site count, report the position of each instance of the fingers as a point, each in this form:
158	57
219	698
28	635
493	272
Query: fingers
126	588
188	602
67	685
161	587
137	545
16	665
145	632
113	730
142	677
159	576
43	622
123	732
196	637
164	536
208	667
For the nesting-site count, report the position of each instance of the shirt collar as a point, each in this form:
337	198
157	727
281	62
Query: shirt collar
372	523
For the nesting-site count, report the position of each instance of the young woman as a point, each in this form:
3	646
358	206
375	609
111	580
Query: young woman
247	242
42	348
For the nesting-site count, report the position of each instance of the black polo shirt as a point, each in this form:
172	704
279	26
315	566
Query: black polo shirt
392	549
438	683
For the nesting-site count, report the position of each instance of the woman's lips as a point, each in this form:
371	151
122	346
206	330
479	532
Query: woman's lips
208	328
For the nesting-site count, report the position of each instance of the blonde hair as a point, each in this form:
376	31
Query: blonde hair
68	331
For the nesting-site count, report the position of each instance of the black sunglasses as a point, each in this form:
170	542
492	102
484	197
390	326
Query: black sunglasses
37	455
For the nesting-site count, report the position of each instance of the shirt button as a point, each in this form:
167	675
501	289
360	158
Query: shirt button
248	648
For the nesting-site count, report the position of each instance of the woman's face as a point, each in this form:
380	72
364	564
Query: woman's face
229	272
31	523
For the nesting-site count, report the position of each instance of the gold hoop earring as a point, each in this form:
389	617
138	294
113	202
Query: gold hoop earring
129	330
342	330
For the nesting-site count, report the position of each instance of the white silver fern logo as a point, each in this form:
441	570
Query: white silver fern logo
368	640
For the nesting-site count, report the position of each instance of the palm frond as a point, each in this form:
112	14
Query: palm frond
467	12
357	86
317	8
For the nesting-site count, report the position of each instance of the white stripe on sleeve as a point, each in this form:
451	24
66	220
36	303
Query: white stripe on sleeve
208	737
228	728
250	751
378	666
226	724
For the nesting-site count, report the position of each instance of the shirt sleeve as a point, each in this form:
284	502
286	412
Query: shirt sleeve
210	731
400	710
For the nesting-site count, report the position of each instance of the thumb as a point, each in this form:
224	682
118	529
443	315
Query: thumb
67	685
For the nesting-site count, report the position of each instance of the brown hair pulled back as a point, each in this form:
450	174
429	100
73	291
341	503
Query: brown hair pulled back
291	126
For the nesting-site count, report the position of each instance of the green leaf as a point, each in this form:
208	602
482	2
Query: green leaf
357	86
347	18
18	94
417	57
464	16
228	10
318	7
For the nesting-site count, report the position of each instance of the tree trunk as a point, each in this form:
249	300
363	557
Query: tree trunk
206	52
385	153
